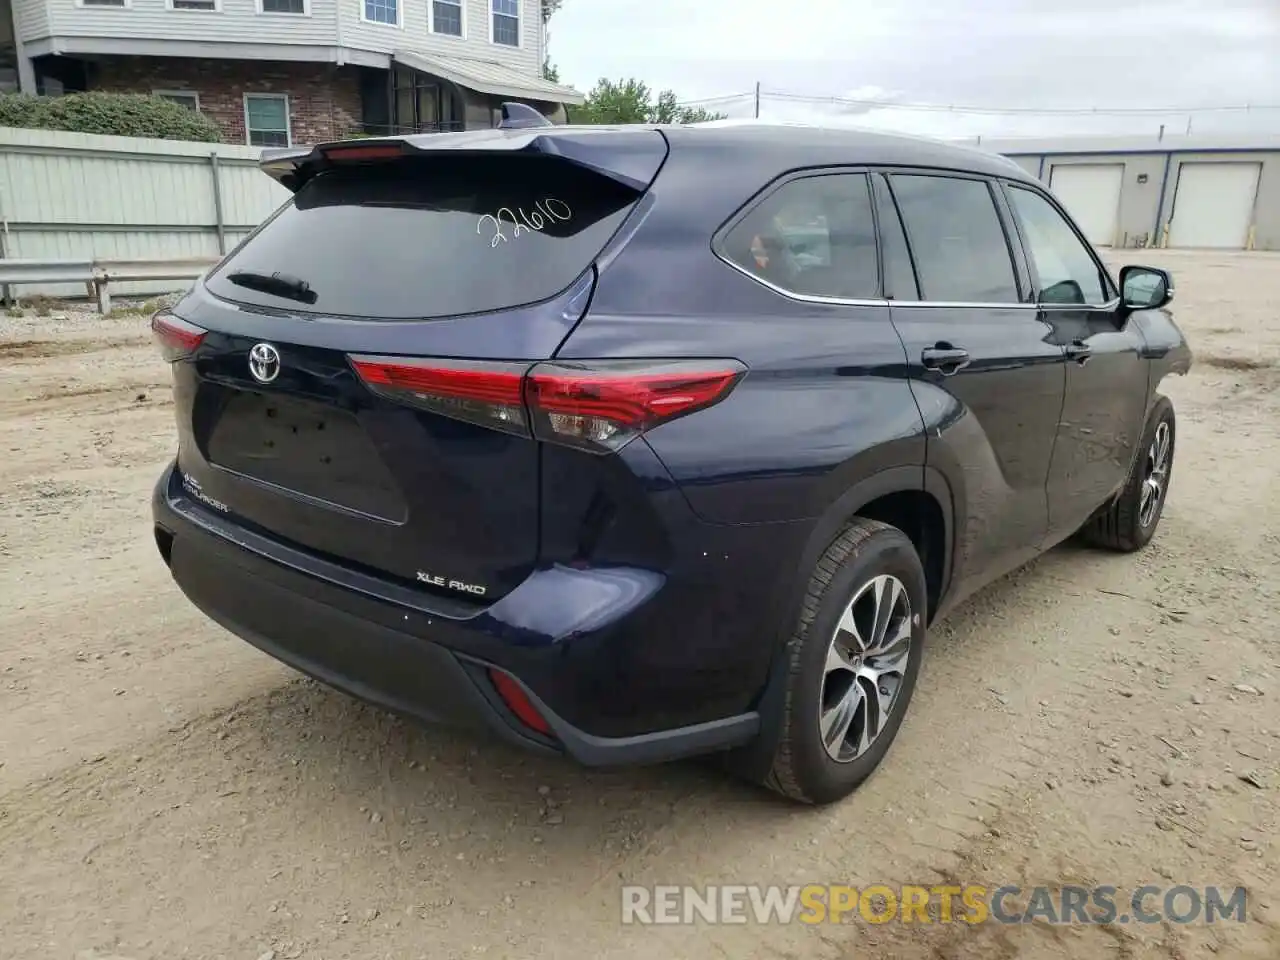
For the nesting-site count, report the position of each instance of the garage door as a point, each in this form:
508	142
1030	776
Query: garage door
1213	204
1091	194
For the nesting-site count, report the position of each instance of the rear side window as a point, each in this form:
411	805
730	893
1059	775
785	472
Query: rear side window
812	237
432	237
957	240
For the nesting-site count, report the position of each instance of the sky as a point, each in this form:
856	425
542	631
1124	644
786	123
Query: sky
1022	55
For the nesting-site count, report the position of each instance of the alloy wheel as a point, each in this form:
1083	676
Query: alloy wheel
1156	478
865	668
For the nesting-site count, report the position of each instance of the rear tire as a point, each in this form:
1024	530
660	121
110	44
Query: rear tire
852	664
1129	521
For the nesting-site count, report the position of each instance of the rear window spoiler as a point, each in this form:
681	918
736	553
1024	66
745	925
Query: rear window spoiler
631	155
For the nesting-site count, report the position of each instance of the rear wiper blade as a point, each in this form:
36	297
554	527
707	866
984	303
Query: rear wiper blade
277	284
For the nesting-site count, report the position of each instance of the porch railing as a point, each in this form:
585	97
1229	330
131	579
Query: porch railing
403	129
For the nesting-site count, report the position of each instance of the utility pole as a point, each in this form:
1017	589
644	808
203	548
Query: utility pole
757	99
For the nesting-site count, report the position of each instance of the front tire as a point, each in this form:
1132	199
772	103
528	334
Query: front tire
1129	521
852	664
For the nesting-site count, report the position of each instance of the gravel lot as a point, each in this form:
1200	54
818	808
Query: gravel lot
165	790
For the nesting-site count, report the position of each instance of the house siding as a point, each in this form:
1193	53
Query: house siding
329	22
238	21
324	101
32	18
415	34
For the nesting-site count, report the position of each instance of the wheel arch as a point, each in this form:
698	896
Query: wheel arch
915	499
894	494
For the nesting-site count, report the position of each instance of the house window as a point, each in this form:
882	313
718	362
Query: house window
185	98
506	22
266	119
446	17
103	3
382	11
206	5
283	6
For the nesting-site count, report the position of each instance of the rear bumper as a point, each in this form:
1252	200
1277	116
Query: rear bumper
403	656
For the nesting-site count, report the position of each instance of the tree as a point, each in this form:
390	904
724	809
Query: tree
668	110
631	101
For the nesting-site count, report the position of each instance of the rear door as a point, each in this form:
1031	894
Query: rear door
358	393
984	368
1105	405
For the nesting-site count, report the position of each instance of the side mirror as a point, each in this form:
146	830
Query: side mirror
1145	288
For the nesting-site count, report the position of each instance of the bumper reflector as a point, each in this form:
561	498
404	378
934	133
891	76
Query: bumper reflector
518	702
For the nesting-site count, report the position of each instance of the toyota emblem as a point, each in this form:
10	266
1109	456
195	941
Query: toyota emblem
264	362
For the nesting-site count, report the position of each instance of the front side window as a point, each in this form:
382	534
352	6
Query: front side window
446	17
284	6
958	243
813	237
382	11
206	5
1068	274
506	22
266	120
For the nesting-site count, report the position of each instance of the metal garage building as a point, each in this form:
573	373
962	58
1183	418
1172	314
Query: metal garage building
1197	192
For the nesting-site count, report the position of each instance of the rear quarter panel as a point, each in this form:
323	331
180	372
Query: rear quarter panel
825	403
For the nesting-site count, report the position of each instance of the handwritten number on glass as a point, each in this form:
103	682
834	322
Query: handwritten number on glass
547	210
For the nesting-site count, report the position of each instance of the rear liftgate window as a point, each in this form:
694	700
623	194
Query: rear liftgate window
428	237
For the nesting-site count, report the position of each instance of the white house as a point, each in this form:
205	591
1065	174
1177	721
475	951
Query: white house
272	72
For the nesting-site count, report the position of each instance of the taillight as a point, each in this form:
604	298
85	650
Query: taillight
176	337
602	405
490	394
598	406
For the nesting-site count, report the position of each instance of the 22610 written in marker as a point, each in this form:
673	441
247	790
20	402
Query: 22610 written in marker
545	211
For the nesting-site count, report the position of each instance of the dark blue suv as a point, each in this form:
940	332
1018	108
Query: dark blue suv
641	442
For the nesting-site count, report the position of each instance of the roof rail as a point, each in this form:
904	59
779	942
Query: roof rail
519	116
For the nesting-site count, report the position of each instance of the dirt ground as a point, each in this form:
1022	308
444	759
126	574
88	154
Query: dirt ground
167	791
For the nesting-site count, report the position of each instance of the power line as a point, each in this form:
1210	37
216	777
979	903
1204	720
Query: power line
726	98
871	103
1062	111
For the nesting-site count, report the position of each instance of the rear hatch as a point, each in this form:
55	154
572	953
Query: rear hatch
349	380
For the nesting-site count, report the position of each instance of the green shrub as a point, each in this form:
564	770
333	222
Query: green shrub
20	110
115	114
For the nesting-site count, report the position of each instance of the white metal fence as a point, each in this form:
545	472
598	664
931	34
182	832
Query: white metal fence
77	196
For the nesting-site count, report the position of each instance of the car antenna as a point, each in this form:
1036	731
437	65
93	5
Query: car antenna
518	116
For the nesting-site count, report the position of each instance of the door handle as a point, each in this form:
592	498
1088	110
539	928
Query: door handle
1079	351
945	358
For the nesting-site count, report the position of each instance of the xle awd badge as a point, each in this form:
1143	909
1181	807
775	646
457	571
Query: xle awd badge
264	362
478	589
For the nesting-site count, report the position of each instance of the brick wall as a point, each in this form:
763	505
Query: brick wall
324	100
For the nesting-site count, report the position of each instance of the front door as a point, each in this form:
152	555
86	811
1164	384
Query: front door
1102	416
983	365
